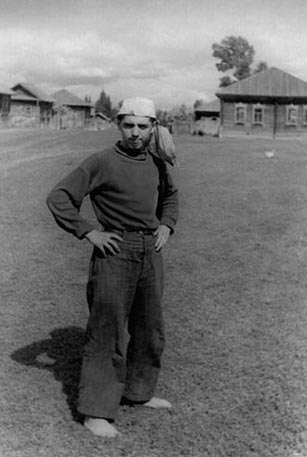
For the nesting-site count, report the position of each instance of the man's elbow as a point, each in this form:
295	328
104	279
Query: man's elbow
55	199
50	200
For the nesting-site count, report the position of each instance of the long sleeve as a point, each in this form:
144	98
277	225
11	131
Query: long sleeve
65	200
168	200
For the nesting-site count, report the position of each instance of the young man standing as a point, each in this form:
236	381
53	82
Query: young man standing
136	204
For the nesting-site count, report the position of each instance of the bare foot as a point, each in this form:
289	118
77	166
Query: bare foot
100	427
157	403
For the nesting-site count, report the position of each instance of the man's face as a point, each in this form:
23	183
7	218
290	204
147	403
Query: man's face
136	131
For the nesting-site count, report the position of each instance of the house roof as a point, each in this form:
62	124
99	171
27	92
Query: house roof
102	116
23	97
271	82
32	91
214	105
64	97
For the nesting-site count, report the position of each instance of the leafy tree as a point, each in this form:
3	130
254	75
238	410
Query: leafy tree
162	116
226	81
104	105
181	113
197	103
236	54
261	66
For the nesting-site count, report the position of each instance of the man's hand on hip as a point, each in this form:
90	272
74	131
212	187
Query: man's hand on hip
162	233
107	242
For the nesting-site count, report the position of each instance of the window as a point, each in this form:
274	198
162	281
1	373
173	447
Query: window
258	114
291	115
240	113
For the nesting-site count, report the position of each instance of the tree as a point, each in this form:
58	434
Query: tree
236	54
162	116
197	103
104	105
225	81
181	113
261	66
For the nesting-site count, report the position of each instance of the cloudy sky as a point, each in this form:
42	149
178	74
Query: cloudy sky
155	48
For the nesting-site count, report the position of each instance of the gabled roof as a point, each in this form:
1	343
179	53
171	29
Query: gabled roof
23	98
102	116
32	91
214	105
271	82
64	97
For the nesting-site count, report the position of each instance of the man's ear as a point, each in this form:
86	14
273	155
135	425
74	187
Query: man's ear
154	124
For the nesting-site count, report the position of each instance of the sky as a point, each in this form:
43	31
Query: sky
160	49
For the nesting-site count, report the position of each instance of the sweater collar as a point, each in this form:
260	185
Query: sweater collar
135	155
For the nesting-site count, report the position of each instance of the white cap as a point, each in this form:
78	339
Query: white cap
138	106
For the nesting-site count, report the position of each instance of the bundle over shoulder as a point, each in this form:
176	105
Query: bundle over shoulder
162	145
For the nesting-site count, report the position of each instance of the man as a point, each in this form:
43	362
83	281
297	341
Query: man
136	204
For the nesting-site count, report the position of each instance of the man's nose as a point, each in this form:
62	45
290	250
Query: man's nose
135	131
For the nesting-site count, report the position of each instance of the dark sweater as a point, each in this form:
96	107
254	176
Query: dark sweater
124	191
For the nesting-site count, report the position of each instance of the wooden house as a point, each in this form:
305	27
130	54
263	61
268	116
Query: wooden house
271	102
30	107
211	109
71	112
5	102
207	118
24	112
100	121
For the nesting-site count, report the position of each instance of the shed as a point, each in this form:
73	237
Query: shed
211	109
30	106
271	102
100	121
207	118
71	111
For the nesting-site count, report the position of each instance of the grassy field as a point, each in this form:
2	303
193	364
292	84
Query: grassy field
235	366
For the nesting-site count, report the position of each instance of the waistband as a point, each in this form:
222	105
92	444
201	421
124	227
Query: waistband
130	229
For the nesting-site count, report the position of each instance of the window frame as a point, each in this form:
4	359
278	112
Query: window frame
240	120
289	109
258	106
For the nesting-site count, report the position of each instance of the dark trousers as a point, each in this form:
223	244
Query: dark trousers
123	289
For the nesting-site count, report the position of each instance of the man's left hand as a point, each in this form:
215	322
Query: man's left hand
162	233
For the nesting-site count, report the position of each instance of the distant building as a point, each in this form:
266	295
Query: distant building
24	112
211	109
271	102
5	102
30	107
71	112
207	117
100	121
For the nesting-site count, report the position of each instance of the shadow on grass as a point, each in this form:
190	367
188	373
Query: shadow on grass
61	354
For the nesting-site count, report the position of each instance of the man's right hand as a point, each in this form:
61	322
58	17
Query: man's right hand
107	242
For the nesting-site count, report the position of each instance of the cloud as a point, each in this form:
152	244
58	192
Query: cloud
161	49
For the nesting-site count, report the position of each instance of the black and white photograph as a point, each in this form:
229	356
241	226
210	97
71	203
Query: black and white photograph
153	187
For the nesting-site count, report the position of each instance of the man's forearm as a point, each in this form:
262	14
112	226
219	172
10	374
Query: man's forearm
66	215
